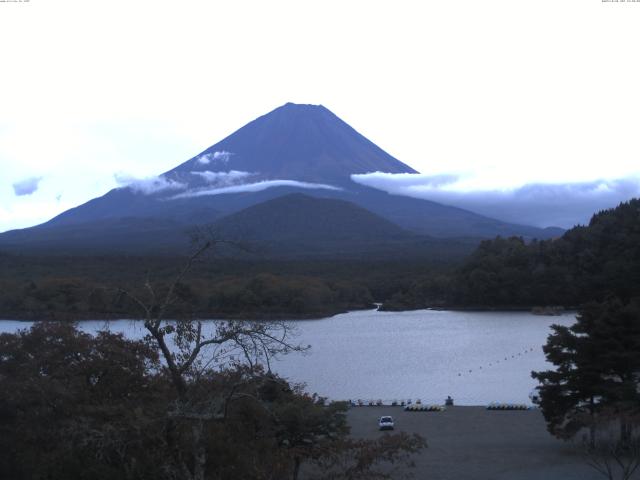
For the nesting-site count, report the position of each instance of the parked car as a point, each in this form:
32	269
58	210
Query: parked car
386	423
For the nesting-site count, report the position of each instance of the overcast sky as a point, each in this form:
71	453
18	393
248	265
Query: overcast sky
502	99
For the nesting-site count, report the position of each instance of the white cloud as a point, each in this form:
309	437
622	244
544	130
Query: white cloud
26	186
149	185
216	157
222	178
253	187
404	180
539	204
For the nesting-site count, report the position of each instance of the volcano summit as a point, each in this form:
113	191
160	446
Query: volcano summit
307	143
293	149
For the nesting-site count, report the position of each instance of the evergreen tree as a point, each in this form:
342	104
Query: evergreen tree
597	370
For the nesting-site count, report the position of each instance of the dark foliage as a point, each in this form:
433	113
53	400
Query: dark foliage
75	288
597	372
586	263
74	406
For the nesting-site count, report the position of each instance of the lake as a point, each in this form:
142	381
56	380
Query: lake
476	357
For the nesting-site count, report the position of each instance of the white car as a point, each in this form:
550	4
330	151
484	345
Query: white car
386	423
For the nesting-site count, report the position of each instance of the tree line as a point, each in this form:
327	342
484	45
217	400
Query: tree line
86	287
587	263
259	296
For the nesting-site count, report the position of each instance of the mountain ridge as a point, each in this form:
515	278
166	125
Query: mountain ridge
294	148
298	150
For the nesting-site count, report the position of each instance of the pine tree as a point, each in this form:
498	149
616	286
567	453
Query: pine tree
597	370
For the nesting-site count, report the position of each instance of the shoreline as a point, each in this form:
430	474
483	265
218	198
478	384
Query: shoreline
200	317
288	316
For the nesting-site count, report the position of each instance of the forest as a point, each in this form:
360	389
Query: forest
586	263
75	288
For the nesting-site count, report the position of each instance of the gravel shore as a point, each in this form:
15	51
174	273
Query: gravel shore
477	444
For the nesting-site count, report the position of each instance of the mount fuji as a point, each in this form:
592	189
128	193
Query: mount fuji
304	150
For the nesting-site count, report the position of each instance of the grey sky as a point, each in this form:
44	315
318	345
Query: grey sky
498	93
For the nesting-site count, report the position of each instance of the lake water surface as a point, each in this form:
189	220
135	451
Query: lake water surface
476	357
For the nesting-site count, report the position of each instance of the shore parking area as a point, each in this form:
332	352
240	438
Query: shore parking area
478	444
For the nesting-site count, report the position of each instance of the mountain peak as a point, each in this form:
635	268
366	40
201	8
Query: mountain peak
300	142
296	147
302	106
297	111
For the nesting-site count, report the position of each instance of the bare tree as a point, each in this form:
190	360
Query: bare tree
612	460
613	455
190	349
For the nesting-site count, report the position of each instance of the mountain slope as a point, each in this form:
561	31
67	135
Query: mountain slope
298	225
301	218
297	142
128	235
295	148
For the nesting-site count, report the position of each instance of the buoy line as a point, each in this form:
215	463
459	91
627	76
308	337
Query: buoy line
507	358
